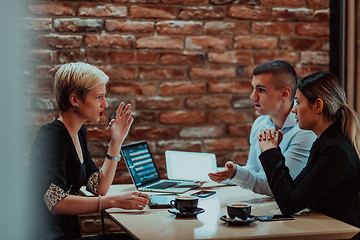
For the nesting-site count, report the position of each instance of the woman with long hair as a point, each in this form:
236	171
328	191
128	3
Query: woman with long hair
330	182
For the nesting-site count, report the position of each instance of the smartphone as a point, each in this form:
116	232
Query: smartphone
203	193
276	217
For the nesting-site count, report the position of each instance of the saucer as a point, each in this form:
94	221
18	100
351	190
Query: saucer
238	221
186	214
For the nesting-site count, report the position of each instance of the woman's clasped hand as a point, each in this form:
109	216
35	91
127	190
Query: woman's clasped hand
269	138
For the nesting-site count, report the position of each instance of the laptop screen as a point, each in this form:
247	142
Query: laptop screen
140	163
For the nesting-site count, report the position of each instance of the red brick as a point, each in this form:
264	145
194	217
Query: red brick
78	25
312	29
92	56
318	4
292	43
249	12
263	56
102	10
185	1
212	72
178	88
322	15
39	118
40	87
246	70
37	23
201	132
132	88
144	117
151	132
223	2
45	72
182	117
227	116
226	144
161	73
201	13
227	28
42	55
52	8
240	57
240	130
109	40
97	149
284	3
179	27
215	86
119	73
95	133
250	42
207	42
207	101
154	11
103	121
58	41
241	102
132	57
160	42
179	145
158	103
291	15
240	158
125	26
315	58
135	1
186	58
271	28
43	103
303	71
325	46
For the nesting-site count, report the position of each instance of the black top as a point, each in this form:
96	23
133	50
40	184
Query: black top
329	183
54	162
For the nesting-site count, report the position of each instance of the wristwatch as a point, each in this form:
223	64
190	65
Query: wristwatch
108	156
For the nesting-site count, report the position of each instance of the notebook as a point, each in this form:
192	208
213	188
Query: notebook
144	173
178	162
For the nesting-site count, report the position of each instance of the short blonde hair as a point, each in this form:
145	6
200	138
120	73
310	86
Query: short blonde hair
76	78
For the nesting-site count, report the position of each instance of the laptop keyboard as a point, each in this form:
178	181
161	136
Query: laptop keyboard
164	185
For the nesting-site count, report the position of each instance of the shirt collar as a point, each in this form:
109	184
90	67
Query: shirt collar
290	120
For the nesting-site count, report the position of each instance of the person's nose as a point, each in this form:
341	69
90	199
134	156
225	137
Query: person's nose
105	104
294	109
253	95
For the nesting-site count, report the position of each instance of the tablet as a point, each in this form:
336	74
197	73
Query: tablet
161	201
192	166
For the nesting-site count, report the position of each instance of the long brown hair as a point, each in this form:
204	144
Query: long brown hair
326	86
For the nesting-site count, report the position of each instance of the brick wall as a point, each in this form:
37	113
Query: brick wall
184	65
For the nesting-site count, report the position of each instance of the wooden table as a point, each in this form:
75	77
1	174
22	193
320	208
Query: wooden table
160	224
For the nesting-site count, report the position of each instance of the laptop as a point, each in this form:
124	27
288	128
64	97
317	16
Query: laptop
178	162
144	173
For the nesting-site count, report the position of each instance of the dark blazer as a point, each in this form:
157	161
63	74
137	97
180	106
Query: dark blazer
329	184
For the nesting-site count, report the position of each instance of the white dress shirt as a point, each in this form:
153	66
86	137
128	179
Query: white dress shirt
295	147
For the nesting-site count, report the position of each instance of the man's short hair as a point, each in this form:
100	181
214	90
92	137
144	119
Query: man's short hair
76	78
283	73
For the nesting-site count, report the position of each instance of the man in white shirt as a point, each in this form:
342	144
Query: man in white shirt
274	85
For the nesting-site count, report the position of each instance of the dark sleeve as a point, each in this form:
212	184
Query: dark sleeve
92	171
329	170
48	155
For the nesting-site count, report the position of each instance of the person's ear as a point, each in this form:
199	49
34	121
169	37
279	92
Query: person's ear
318	105
286	92
73	100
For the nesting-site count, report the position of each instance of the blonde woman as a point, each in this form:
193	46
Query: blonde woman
330	182
60	162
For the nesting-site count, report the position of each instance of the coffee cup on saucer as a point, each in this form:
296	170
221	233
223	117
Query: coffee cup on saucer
186	204
239	209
